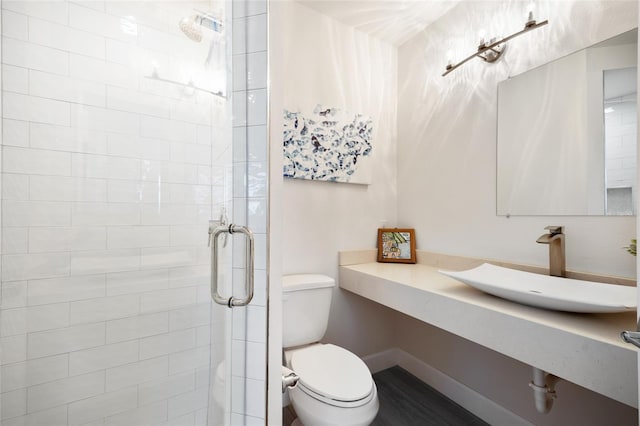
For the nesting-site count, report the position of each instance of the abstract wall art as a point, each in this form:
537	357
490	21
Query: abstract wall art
328	144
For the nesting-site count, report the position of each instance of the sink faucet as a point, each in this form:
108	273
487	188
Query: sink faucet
555	239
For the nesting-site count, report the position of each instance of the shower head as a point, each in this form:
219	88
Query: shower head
191	29
192	26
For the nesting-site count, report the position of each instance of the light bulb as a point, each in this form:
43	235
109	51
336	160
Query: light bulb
482	34
530	17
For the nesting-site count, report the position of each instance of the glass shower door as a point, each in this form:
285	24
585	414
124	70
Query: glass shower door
117	151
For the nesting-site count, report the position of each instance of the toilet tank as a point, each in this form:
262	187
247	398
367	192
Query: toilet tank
306	300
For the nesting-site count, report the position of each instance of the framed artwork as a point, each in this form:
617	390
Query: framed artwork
396	245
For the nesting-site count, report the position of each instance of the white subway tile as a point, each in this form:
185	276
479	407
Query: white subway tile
191	112
239	36
187	235
250	324
55	10
257	70
168	257
147	414
256	36
34	372
190	153
15	187
60	138
255	398
137	327
102	357
137	102
40	110
65	38
137	372
14	294
32	56
64	88
138	236
14	349
124	191
157	171
14	25
103	309
102	72
257	148
257	102
56	416
34	318
164	344
168	214
162	128
186	420
102	166
183	318
148	14
154	149
102	119
137	282
162	300
67	239
239	107
189	360
203	335
65	340
15	240
123	145
15	133
101	405
35	161
109	214
189	276
65	289
15	79
188	402
35	213
64	391
104	261
257	214
33	266
239	76
97	5
13	404
165	388
50	188
82	18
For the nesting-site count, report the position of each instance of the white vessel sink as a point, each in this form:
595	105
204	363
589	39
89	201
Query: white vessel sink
543	291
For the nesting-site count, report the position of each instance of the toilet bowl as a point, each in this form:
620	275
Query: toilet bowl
335	387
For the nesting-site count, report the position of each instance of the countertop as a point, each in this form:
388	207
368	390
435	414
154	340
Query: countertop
585	349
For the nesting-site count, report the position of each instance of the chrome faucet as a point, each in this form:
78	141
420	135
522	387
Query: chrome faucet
555	239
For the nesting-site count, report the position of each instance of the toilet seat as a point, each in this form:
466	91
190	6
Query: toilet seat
333	375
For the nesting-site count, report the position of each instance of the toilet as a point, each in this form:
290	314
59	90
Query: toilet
335	387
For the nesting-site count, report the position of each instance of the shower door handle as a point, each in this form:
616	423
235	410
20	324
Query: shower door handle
215	229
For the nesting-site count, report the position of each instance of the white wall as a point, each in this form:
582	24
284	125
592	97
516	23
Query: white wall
334	65
447	136
447	184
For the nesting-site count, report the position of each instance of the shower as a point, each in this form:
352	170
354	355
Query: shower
192	25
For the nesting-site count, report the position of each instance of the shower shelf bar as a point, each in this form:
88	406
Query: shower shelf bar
189	85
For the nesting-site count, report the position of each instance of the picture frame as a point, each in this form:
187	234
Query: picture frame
396	245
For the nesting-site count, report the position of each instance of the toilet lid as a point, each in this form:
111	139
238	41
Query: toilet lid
332	372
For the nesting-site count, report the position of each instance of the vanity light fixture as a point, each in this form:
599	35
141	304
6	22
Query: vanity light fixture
492	50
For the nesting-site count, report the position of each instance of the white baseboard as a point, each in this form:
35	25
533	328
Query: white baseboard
462	395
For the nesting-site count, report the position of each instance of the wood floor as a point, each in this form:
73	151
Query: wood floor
407	401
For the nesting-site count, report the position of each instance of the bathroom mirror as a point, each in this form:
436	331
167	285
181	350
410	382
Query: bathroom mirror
566	134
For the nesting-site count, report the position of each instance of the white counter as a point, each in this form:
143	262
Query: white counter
585	349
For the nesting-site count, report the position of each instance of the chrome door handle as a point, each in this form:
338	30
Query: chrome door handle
215	229
632	337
